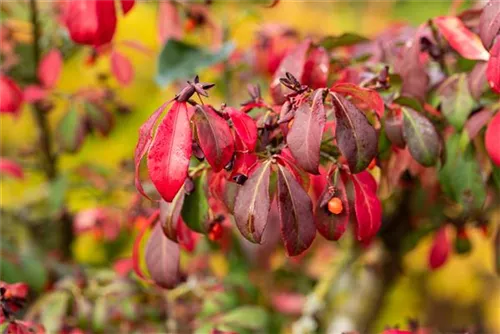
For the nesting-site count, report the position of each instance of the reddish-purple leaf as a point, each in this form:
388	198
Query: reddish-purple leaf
214	137
421	137
295	212
99	118
316	68
127	5
329	225
489	22
244	126
121	67
492	139
366	205
393	126
169	22
49	69
144	142
34	93
412	69
162	259
493	69
170	214
304	137
11	96
293	63
251	207
368	96
464	41
477	121
11	168
356	138
168	157
440	250
476	79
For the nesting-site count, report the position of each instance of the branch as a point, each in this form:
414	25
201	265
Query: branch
49	159
48	156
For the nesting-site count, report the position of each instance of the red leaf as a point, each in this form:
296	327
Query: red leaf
169	22
244	126
121	67
252	204
477	121
365	95
489	22
214	137
168	157
11	168
15	290
243	163
90	22
316	68
492	139
288	302
123	266
356	138
34	93
49	69
440	250
304	137
329	225
162	259
295	212
464	41
127	5
366	205
11	96
136	249
293	63
144	142
493	69
186	237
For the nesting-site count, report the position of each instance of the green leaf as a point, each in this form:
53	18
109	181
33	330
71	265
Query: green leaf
53	311
246	317
70	130
346	39
179	60
421	137
456	100
460	177
408	101
195	209
57	193
100	314
495	173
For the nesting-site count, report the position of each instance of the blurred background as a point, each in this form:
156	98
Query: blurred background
95	186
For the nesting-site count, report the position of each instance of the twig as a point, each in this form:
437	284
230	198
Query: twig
48	157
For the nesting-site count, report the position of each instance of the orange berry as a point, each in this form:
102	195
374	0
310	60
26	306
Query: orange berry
335	205
215	232
372	164
189	25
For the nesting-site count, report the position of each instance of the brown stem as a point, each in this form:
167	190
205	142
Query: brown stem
49	160
47	154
